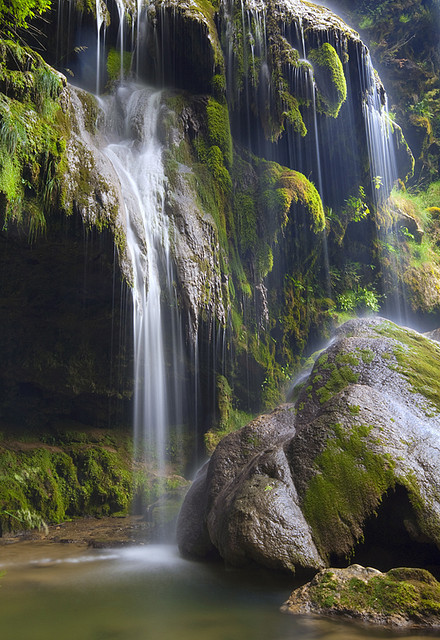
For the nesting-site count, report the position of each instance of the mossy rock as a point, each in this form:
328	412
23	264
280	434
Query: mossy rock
346	470
282	190
330	78
402	597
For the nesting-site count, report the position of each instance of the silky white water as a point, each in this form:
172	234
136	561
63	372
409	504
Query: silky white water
136	154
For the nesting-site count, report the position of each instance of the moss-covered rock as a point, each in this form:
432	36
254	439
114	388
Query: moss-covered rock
357	476
402	597
330	78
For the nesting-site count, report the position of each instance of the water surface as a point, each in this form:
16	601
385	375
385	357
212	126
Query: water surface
65	592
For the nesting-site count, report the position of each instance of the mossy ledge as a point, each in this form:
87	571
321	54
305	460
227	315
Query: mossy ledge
74	474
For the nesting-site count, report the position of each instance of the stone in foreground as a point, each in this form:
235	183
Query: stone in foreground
400	598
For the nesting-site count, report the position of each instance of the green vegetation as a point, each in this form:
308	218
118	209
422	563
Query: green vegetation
281	189
413	593
32	137
332	377
329	74
51	485
348	485
16	14
418	360
77	473
229	418
117	66
219	131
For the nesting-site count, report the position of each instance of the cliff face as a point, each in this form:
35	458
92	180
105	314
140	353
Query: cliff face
273	203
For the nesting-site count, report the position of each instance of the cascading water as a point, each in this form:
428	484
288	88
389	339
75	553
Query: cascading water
137	157
251	91
383	173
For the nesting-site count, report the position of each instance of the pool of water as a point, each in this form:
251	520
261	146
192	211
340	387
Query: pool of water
149	592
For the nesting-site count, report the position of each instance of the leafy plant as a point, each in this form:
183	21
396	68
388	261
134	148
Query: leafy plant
360	299
356	207
16	14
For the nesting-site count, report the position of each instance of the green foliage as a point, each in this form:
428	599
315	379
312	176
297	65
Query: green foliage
16	14
31	142
361	299
229	418
356	208
330	78
44	485
348	485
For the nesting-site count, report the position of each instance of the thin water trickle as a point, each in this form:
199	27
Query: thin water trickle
99	23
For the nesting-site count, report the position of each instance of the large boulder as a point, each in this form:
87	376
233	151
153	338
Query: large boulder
351	466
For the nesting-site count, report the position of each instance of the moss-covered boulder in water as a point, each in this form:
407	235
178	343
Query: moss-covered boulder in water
353	472
402	597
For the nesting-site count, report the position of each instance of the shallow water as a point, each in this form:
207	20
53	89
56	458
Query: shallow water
146	593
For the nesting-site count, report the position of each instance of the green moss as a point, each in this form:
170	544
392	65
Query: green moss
418	360
413	593
347	358
32	128
218	169
117	65
330	78
219	131
245	214
339	378
82	479
281	188
348	484
354	409
367	355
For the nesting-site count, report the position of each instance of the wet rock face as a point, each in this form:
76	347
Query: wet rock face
298	488
58	321
403	597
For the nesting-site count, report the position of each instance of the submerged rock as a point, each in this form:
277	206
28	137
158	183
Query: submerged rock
352	466
402	597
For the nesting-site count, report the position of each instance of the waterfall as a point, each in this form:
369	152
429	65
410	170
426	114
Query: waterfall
136	154
383	175
383	169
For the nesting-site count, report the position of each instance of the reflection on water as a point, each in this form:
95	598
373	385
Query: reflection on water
147	593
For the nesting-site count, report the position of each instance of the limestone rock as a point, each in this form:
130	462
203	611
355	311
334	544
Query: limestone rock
352	468
403	597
